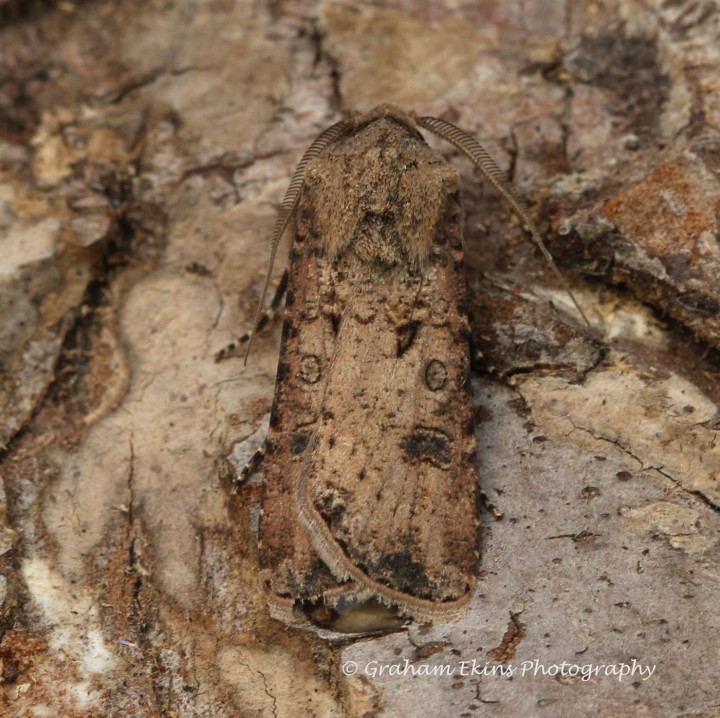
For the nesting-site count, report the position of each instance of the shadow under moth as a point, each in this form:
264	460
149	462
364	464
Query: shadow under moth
370	500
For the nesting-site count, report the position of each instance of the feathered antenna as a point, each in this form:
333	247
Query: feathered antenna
478	155
288	206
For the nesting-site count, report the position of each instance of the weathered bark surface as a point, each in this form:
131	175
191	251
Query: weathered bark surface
143	149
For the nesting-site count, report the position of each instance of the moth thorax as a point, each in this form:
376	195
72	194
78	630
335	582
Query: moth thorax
377	241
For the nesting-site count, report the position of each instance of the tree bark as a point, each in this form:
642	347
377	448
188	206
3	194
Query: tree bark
144	148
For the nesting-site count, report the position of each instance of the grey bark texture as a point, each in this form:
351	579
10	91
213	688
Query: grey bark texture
144	148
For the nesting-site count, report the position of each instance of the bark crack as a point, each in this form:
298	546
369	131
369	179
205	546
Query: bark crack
665	474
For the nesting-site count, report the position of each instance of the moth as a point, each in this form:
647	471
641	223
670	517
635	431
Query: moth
369	510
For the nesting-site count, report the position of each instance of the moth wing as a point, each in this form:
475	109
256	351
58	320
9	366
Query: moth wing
388	485
292	570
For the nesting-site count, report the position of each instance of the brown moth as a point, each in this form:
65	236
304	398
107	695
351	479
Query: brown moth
370	496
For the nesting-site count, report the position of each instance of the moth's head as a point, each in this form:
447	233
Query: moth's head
384	111
379	192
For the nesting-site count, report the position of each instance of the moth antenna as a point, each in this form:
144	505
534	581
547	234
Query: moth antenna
479	156
288	206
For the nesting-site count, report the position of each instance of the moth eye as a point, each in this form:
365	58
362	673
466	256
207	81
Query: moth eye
309	371
435	375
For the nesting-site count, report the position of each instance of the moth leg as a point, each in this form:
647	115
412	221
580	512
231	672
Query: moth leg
490	506
249	468
264	319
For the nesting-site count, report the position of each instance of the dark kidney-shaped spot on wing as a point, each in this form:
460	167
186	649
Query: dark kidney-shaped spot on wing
299	442
428	445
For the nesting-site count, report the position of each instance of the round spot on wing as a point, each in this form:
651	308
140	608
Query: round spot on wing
309	371
435	375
